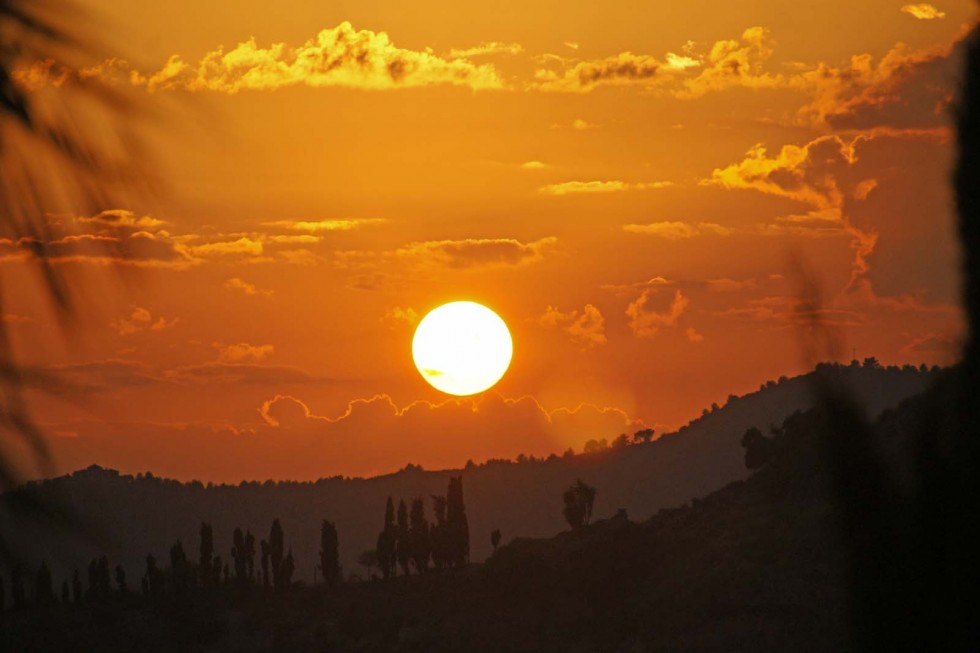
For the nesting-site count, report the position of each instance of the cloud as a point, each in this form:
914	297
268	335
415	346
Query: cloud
584	76
486	49
242	352
336	224
288	439
401	316
905	89
103	375
247	288
827	175
724	64
477	252
646	323
586	328
339	56
733	63
582	125
534	165
119	218
693	335
934	343
574	187
923	11
678	230
231	373
243	245
792	311
141	320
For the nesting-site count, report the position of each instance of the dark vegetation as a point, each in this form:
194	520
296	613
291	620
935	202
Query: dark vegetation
758	565
136	515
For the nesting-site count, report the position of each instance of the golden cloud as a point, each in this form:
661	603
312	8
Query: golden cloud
313	226
248	288
486	49
923	11
613	186
731	63
586	328
584	76
338	56
242	351
646	323
906	89
678	230
141	320
477	252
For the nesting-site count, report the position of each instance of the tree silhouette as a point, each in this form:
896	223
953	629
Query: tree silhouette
403	544
239	556
76	587
643	435
121	580
369	560
3	597
99	584
65	594
17	596
457	525
386	547
578	504
329	554
180	573
207	551
250	555
43	588
276	551
421	544
153	577
286	571
495	539
265	563
439	533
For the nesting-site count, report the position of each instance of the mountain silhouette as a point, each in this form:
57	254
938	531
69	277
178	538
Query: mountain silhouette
136	516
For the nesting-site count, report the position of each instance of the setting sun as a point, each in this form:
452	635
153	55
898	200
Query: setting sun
462	348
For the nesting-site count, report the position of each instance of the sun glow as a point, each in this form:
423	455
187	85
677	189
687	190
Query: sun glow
462	348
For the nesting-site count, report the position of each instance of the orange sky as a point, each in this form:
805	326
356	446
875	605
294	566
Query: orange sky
624	185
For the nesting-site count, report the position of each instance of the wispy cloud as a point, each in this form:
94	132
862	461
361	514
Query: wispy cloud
477	252
646	323
485	49
586	327
245	287
923	11
336	224
678	230
612	186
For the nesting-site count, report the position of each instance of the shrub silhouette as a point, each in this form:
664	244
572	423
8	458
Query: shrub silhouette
495	539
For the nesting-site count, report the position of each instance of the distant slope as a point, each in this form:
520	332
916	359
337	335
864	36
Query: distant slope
139	516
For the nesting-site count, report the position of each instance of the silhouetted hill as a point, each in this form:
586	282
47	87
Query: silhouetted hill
758	565
138	515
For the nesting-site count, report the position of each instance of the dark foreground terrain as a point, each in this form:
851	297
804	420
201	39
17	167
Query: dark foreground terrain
763	564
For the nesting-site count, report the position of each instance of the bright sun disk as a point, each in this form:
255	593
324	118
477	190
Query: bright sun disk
462	348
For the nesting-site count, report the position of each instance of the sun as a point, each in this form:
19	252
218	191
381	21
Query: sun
462	348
